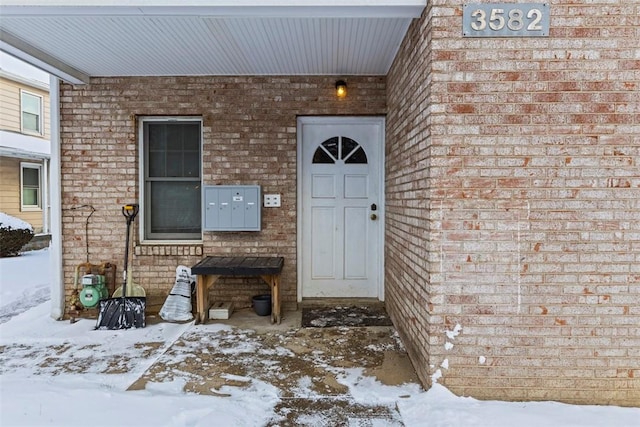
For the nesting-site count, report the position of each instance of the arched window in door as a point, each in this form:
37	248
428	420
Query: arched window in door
340	148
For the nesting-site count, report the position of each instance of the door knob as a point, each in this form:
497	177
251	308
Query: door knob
373	217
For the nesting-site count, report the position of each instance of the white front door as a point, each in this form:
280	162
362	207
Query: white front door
340	210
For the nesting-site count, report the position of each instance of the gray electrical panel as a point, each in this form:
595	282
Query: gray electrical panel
231	208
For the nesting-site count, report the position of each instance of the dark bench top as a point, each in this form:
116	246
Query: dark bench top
238	266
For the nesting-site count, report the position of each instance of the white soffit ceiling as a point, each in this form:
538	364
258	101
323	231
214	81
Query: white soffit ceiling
77	40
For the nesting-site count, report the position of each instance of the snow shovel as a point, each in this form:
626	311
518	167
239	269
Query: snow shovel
133	289
123	312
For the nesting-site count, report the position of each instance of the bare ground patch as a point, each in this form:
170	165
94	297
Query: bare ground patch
303	364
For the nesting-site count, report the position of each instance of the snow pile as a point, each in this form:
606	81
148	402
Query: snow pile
12	223
14	234
19	291
438	407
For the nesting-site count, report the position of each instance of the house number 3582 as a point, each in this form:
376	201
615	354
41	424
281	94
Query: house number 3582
506	20
515	20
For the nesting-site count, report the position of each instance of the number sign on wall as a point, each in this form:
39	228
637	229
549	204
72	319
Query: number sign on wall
505	20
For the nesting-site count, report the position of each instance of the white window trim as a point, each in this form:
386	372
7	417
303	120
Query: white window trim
40	117
141	175
30	208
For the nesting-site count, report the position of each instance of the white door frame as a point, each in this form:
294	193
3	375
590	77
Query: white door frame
342	120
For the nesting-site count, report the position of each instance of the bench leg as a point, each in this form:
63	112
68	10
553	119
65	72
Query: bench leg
274	284
203	283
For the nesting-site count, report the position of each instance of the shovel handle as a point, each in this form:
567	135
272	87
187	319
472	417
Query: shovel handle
130	211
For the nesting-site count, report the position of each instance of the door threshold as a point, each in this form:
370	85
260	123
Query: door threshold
333	302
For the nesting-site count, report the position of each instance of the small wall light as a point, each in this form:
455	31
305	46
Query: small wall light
341	88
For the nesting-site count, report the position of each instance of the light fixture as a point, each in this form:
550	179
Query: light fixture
341	88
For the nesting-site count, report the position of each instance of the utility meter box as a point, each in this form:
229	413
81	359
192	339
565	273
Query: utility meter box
231	208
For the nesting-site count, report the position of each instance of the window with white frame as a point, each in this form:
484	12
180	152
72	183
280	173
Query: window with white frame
31	113
170	155
30	186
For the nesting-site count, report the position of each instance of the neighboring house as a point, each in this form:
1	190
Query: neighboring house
25	149
486	188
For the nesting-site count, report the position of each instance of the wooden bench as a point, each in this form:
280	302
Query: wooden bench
212	268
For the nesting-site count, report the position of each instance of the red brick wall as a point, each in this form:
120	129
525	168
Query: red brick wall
407	154
249	127
513	195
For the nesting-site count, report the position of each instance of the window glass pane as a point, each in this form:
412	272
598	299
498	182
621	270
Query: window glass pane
174	150
191	137
31	104
175	137
157	164
321	156
157	136
157	146
175	207
30	177
331	145
348	145
30	122
30	197
31	107
175	165
358	157
191	167
30	186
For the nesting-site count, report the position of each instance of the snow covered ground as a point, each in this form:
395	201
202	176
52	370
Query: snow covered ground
22	288
39	385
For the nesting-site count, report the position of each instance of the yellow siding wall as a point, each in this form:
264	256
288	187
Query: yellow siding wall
10	167
10	105
10	193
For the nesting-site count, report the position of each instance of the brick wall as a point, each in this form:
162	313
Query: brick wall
407	154
249	127
513	180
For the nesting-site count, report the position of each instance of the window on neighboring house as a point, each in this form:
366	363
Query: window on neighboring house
31	108
171	177
30	186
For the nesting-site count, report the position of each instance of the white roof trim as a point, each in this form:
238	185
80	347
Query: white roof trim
14	144
24	80
39	59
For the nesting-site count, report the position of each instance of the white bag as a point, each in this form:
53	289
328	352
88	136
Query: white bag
177	307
